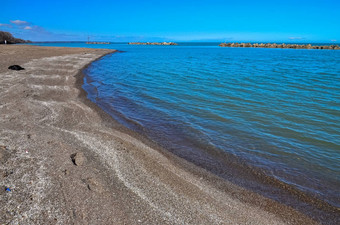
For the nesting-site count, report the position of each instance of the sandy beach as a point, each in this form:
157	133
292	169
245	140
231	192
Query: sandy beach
64	161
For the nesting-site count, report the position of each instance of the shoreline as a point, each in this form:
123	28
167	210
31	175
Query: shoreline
126	178
239	173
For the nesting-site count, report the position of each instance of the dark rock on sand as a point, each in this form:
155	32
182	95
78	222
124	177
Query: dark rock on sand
78	158
15	67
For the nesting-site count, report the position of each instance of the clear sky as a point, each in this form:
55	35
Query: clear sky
176	20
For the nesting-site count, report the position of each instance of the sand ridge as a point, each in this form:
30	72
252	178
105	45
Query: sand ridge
45	118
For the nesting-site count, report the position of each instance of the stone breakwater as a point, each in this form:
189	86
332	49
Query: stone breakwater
152	43
269	45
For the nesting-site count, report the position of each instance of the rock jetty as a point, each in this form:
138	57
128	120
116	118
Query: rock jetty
274	45
152	43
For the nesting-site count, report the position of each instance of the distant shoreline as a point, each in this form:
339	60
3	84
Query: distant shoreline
98	42
325	45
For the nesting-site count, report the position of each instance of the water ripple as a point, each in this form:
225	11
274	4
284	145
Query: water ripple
277	109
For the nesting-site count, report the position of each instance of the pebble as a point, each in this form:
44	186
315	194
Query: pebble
78	158
66	172
94	185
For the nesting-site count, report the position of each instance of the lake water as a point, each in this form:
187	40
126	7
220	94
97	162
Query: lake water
238	112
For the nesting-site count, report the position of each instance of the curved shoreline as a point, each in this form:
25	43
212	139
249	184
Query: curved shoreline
125	178
253	179
244	195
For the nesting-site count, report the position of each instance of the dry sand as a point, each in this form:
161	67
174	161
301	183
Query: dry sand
120	178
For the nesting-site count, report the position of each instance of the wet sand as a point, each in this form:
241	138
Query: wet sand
122	178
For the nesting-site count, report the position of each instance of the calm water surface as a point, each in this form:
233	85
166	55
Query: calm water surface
274	109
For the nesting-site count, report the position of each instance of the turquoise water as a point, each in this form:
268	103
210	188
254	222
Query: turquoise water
274	110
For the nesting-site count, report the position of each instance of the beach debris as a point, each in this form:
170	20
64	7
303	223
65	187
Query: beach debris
4	189
78	158
15	67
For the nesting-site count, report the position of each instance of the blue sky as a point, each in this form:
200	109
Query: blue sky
212	20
